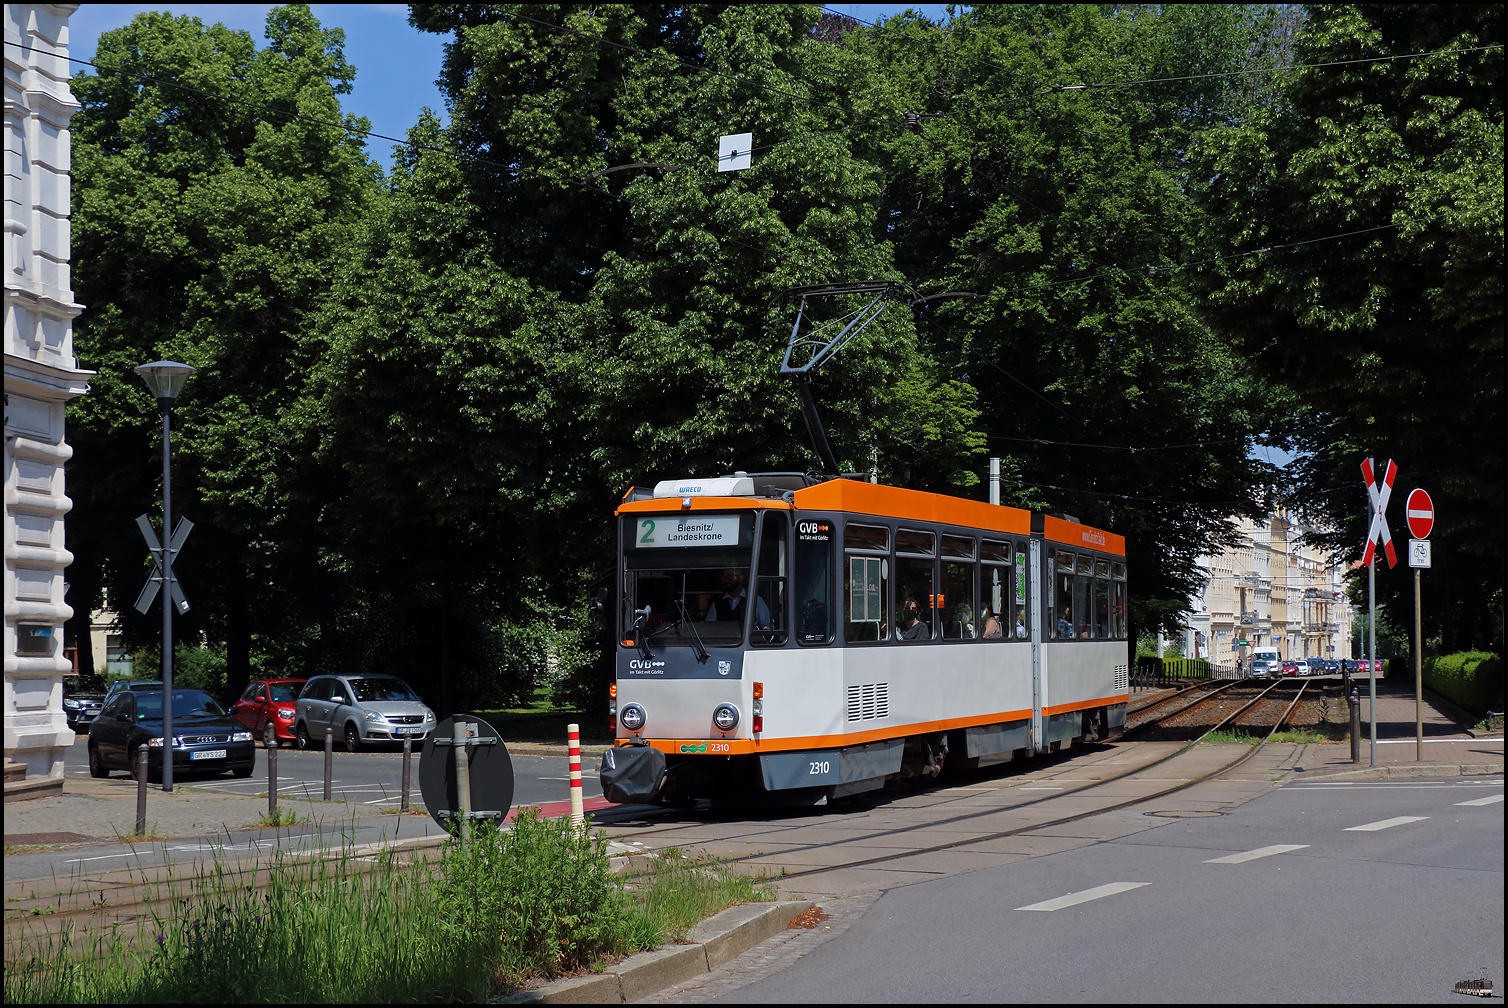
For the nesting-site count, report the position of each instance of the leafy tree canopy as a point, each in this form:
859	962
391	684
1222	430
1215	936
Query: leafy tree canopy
1377	184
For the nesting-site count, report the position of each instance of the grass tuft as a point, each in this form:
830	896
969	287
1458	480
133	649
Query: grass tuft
511	906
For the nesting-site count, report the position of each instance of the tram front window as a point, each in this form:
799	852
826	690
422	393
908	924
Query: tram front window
689	604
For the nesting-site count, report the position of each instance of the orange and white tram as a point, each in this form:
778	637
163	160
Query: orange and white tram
789	638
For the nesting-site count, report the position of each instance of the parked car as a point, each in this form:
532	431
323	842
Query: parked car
132	684
1303	666
80	706
1265	668
205	739
360	710
1290	668
269	703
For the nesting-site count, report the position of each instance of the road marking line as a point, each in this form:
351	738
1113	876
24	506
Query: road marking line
1489	800
1260	852
1098	892
1385	824
1431	741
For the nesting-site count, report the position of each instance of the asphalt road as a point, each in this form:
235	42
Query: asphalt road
373	777
1360	892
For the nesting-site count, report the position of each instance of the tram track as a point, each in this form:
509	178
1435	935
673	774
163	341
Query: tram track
94	904
995	835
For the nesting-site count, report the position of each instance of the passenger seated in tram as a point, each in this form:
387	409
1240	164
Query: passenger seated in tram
990	623
1021	622
1065	625
913	627
963	617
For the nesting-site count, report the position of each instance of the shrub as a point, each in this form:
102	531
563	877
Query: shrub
537	900
1471	679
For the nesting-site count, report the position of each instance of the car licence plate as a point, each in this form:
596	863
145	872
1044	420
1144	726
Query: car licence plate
208	754
410	731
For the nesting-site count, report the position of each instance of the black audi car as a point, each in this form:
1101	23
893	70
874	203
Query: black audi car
206	740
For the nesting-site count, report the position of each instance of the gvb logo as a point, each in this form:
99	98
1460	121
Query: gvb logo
724	667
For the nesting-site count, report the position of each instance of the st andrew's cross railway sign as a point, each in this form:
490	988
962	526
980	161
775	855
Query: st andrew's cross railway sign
154	583
1378	493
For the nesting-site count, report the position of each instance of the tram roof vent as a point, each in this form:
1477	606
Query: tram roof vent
721	486
740	484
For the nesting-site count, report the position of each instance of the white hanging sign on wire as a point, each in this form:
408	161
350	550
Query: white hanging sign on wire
735	152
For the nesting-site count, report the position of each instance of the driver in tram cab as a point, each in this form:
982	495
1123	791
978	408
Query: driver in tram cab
731	605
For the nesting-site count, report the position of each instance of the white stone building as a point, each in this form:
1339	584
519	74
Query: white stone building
1270	591
41	375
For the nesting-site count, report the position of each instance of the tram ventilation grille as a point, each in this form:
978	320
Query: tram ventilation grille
869	701
1122	679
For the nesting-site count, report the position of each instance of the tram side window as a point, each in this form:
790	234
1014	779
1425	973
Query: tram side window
1118	601
867	597
1061	618
1101	599
920	606
960	620
995	583
1083	584
770	583
1023	614
995	589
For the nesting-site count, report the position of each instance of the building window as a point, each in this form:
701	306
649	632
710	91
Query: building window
34	639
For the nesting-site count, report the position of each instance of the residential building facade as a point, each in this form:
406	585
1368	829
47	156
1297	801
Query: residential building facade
1270	590
41	375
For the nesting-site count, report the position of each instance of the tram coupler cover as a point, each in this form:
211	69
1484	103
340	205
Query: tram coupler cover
632	774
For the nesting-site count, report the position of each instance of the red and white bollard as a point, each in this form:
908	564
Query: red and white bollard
578	814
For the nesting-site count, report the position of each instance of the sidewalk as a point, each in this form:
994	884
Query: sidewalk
1451	747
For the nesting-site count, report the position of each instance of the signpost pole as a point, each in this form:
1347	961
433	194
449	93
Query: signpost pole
167	607
1419	511
1418	673
1372	655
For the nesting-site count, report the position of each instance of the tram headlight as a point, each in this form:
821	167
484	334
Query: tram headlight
632	717
725	717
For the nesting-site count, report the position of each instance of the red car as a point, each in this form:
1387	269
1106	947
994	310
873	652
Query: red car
268	702
1290	668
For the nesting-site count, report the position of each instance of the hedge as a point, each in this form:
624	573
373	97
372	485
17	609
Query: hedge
1472	680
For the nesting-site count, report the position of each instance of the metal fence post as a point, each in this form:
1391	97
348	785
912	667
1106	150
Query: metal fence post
329	760
272	774
1353	699
463	778
408	756
141	791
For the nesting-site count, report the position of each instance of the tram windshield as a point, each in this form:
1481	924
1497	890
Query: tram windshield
690	605
698	595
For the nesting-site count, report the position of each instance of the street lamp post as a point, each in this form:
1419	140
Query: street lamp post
166	380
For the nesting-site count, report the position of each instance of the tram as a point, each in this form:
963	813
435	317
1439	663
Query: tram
796	639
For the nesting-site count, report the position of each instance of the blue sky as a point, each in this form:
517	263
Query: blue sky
396	65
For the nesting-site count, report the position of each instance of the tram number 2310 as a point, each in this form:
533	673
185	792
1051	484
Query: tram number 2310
819	768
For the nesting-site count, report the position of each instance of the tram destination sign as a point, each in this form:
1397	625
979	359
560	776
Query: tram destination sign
686	530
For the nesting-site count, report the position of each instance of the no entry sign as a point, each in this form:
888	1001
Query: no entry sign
1420	511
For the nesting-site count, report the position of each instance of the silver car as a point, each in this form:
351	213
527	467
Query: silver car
1263	668
359	709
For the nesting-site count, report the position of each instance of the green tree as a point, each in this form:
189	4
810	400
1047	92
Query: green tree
213	195
1377	182
1036	174
517	341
